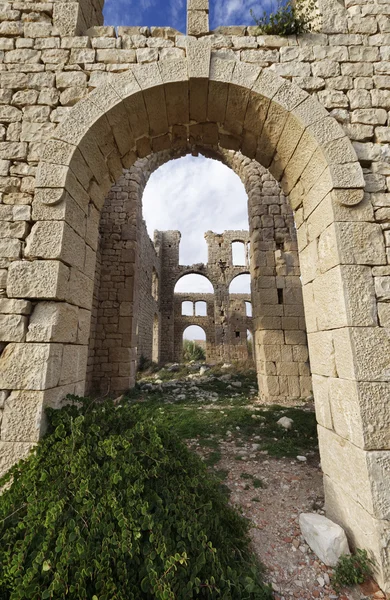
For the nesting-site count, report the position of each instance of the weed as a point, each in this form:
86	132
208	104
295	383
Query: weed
258	483
213	458
352	569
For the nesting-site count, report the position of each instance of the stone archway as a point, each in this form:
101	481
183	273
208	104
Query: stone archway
206	101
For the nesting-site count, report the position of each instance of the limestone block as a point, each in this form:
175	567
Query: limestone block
53	322
322	400
327	539
13	150
14	307
345	296
362	353
369	116
384	314
80	289
322	353
56	239
12	328
74	364
348	175
382	288
361	243
198	56
13	230
11	453
22	417
10	248
39	279
197	22
30	366
308	259
364	475
83	326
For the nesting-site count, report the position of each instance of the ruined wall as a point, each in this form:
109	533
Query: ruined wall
149	293
236	320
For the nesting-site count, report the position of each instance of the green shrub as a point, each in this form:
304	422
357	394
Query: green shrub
291	17
112	506
192	351
352	569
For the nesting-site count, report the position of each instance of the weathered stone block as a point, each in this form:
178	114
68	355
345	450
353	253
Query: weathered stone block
39	279
30	366
56	240
53	322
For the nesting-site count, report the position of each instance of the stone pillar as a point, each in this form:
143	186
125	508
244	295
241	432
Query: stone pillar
169	244
75	18
197	17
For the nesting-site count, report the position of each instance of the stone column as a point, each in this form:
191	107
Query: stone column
197	17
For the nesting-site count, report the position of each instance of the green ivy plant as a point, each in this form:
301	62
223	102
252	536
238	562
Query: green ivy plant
352	569
291	17
112	506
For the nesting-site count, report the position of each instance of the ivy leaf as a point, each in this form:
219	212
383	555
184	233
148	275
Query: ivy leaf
46	567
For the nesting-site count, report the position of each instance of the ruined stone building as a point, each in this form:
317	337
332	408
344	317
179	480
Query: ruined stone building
88	112
224	319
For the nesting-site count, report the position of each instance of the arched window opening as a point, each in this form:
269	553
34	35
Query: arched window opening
248	254
155	286
194	284
250	344
194	343
201	309
187	308
239	254
241	284
191	194
156	340
248	309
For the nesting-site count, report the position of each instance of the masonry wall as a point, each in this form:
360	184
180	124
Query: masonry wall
228	85
148	308
237	322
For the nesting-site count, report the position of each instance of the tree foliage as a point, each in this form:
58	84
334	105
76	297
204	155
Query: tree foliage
291	17
112	506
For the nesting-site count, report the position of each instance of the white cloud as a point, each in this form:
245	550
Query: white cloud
227	12
195	195
194	332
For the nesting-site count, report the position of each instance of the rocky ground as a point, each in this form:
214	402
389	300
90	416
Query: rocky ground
273	474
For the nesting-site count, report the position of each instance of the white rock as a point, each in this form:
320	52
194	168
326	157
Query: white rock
327	539
236	384
203	370
302	458
285	422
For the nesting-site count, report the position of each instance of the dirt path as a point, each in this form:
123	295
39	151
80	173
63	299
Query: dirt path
288	487
271	492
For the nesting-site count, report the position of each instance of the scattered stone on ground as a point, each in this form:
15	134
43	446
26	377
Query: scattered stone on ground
271	492
325	538
285	422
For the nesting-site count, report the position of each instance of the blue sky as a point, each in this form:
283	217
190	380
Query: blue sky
173	12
